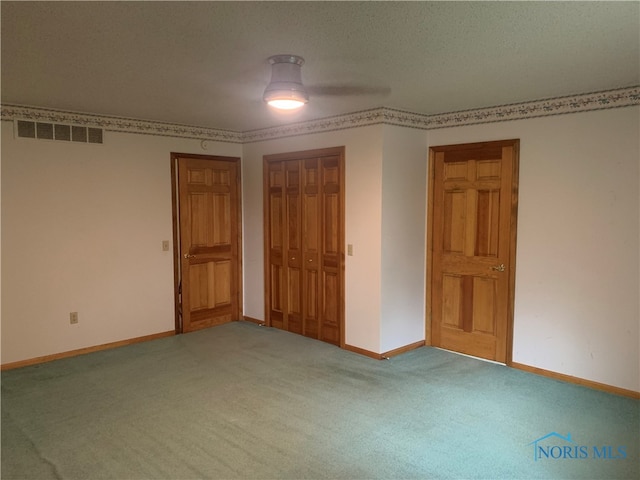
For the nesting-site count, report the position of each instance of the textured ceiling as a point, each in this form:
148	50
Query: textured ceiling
205	63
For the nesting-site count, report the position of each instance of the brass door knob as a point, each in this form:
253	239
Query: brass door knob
186	255
498	268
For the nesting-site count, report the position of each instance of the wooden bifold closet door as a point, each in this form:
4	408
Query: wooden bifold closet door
304	243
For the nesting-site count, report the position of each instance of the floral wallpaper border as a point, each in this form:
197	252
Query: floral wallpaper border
618	98
623	97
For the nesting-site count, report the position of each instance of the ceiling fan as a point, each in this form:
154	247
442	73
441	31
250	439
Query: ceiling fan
286	90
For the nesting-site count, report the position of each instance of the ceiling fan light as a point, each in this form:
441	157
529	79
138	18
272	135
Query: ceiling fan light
286	104
285	90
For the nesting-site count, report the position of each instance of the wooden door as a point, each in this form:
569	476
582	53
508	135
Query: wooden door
311	261
331	293
304	238
472	247
208	234
293	242
275	255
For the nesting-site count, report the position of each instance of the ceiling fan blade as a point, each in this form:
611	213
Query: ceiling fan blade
346	90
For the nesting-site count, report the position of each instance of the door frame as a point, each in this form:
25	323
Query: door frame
512	241
175	218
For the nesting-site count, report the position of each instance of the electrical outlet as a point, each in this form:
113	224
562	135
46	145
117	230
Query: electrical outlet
73	318
165	245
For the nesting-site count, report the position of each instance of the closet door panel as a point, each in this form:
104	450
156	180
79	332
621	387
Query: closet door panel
331	250
275	239
293	236
311	246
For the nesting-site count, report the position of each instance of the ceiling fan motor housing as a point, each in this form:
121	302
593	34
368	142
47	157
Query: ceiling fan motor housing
286	79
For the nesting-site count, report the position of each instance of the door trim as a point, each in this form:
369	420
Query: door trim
175	218
512	241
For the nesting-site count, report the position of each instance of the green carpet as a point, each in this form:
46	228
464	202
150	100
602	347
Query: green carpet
241	401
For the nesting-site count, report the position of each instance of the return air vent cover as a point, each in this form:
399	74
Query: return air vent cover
63	132
58	131
44	130
26	129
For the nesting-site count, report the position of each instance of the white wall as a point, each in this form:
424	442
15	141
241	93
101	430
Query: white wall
363	188
404	194
577	267
82	230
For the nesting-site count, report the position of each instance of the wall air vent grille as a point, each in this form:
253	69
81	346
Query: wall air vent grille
44	130
95	135
63	132
58	131
26	129
79	134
